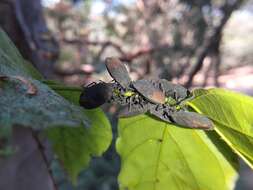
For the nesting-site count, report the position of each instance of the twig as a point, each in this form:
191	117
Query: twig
44	157
95	43
144	51
128	57
72	72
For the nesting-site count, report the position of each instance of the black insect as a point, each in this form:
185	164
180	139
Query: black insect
96	94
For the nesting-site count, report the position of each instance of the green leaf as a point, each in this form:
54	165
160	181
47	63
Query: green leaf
71	93
12	62
233	116
75	146
156	156
41	110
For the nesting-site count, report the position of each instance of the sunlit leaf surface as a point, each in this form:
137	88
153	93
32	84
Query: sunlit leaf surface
75	146
158	156
233	115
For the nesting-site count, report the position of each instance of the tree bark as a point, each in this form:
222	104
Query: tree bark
24	22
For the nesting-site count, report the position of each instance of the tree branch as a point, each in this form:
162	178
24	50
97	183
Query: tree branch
211	39
104	44
124	56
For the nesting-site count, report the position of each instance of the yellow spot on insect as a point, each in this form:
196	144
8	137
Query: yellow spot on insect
171	101
178	107
116	92
129	93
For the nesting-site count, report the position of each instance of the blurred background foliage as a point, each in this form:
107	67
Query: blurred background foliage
156	38
196	43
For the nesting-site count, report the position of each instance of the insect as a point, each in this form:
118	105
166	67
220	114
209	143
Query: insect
161	91
95	95
149	91
183	118
192	120
175	91
119	73
124	93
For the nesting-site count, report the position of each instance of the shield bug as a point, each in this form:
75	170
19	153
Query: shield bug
95	94
120	74
192	120
118	71
149	91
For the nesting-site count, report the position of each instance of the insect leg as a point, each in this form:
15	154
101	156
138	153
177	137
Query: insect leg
130	103
91	84
175	95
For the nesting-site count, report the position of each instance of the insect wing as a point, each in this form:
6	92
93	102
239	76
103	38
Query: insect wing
149	91
135	110
192	120
95	95
118	71
174	90
163	114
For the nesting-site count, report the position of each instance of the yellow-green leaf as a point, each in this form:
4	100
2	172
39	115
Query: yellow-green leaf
233	116
75	146
159	156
